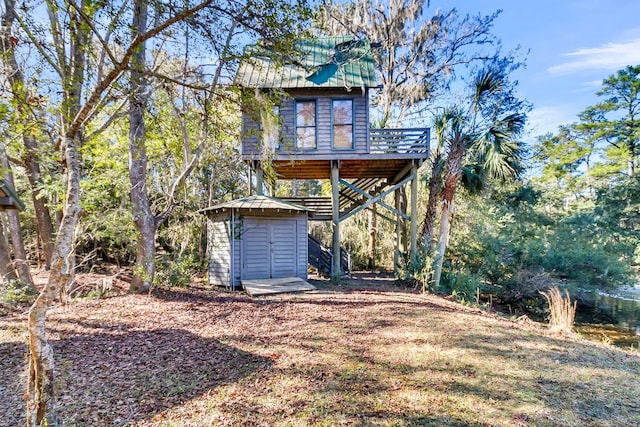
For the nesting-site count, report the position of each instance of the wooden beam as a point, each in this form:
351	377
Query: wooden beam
375	199
369	196
396	253
414	214
335	219
402	173
259	179
356	168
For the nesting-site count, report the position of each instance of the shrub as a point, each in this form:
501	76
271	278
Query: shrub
178	271
464	287
16	292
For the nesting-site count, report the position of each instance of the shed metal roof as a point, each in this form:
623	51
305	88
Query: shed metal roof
260	203
8	198
324	62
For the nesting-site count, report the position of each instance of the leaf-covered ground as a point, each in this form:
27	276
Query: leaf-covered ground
364	353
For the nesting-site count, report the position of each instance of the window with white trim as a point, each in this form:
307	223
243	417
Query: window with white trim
306	124
342	119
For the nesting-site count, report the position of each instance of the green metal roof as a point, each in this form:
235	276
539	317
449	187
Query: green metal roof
325	62
259	203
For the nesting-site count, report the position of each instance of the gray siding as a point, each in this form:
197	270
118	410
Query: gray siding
218	248
250	139
251	144
283	248
237	252
303	247
255	249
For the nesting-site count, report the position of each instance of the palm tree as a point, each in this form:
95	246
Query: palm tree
440	125
483	138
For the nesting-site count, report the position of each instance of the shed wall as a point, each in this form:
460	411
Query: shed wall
303	247
219	249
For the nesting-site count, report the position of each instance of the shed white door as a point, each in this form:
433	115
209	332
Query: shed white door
269	248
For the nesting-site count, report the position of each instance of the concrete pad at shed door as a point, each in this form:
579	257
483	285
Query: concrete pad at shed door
258	287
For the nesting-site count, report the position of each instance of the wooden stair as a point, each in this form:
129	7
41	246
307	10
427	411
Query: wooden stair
350	199
321	258
321	208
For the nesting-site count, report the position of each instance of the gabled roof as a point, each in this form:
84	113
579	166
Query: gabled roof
324	62
9	199
259	203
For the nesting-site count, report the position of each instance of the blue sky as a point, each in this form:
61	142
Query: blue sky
574	45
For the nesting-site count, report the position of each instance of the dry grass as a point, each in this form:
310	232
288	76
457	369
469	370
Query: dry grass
562	312
364	354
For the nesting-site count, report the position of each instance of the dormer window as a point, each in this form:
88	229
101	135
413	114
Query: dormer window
342	120
306	124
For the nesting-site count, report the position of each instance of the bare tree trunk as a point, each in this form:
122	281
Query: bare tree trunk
431	213
445	226
454	172
43	214
6	266
19	253
143	217
373	228
40	390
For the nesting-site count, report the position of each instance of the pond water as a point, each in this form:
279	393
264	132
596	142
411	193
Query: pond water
611	318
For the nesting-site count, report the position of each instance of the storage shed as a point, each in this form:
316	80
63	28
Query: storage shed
257	237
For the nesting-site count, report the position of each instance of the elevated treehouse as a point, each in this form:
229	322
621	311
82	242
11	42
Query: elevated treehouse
320	129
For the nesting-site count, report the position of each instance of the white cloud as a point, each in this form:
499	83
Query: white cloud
611	56
593	84
548	118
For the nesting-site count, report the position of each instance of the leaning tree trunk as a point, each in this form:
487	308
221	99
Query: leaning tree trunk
454	172
44	223
6	266
40	389
143	217
19	253
431	212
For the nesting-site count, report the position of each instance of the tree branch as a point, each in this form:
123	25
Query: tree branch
122	66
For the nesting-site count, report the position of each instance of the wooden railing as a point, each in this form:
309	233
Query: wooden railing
413	140
321	258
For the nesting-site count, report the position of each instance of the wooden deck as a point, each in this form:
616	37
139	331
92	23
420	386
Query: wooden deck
258	287
386	155
364	166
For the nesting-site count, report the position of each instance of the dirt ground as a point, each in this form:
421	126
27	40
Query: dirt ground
363	352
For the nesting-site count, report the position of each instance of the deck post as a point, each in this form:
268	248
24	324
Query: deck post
335	219
414	214
397	231
259	179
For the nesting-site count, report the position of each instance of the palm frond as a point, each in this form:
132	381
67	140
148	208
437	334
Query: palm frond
473	178
487	82
499	150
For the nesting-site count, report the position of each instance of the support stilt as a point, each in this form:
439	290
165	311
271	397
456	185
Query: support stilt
397	231
335	219
259	179
414	214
